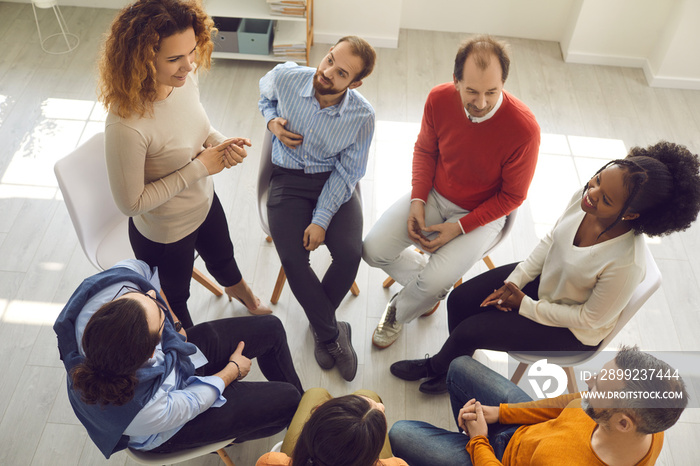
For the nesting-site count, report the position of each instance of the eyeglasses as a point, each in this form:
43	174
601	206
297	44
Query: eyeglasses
131	289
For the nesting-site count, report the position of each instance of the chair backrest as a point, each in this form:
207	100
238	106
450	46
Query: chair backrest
158	459
649	285
264	174
507	226
82	178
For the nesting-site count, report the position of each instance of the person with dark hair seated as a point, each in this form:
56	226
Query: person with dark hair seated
137	380
619	421
349	430
568	294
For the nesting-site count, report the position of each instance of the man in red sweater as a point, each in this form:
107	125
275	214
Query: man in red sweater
620	420
472	165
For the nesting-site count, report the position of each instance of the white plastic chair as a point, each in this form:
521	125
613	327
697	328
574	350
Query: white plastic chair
651	283
157	459
101	227
507	226
264	175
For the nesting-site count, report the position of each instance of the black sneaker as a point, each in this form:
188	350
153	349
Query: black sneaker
323	357
435	386
343	352
412	369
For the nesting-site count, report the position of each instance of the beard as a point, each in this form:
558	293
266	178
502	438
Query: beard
324	90
600	416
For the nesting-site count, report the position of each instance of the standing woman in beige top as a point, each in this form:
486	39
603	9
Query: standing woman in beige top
161	149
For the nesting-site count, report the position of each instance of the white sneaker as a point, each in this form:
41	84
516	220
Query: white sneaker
388	329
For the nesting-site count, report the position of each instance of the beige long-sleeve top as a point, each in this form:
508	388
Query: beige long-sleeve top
581	288
153	173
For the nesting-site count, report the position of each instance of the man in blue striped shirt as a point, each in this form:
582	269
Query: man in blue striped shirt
322	131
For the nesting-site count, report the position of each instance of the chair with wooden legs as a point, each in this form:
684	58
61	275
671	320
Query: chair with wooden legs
101	227
507	226
264	175
651	283
156	459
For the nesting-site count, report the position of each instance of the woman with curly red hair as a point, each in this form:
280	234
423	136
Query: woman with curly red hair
162	150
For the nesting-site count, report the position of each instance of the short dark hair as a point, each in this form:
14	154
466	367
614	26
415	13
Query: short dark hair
344	431
116	341
362	49
664	188
659	414
483	47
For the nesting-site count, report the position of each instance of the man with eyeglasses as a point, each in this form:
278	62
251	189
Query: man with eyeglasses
138	380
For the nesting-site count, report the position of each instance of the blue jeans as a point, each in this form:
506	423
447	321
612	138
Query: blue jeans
422	444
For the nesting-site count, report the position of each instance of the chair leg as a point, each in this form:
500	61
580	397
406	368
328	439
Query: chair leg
388	282
208	284
225	458
281	278
354	289
457	283
489	263
519	371
571	377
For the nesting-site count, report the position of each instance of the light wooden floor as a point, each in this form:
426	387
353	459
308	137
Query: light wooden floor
47	105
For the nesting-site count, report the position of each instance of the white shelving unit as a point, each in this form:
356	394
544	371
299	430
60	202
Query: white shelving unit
257	9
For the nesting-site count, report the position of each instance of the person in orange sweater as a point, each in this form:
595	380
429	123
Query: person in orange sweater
614	423
472	165
349	430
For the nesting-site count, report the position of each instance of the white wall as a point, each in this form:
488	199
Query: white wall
375	20
620	32
531	19
675	59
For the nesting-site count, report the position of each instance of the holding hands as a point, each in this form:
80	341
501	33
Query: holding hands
289	139
229	153
506	298
474	418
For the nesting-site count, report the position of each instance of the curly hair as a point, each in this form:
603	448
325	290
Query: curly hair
344	431
127	82
116	341
664	188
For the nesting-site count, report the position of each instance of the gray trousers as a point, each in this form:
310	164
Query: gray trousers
426	278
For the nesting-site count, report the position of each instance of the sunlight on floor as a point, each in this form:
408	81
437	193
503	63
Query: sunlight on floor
63	124
31	312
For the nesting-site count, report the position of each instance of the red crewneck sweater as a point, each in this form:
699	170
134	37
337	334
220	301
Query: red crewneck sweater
486	167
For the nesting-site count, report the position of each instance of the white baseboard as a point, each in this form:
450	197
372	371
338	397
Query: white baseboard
672	82
379	42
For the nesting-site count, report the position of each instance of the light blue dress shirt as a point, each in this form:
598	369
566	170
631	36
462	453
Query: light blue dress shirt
336	138
177	401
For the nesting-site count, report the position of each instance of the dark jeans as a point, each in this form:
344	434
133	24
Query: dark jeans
290	206
253	409
422	444
176	260
472	327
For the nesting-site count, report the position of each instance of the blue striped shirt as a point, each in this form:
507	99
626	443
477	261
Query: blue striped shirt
336	138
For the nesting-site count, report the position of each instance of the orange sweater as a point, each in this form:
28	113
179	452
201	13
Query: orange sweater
485	167
280	459
556	431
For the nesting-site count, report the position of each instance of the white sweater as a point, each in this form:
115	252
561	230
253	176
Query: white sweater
581	288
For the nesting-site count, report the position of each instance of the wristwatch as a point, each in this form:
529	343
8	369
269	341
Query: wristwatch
178	326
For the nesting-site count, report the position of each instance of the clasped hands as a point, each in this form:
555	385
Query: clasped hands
416	226
474	418
228	154
506	298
